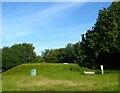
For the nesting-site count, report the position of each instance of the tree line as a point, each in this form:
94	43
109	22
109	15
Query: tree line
18	54
99	45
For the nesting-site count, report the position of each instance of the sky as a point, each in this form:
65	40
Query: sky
47	25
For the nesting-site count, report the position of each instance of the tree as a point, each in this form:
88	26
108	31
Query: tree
50	56
61	55
69	53
25	52
77	52
7	62
101	44
39	59
17	54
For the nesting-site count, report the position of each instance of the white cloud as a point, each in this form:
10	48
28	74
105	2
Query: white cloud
24	26
19	27
46	16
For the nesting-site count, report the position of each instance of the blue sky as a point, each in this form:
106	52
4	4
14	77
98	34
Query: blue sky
47	25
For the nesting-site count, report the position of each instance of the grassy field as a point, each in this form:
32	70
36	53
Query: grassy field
58	77
0	83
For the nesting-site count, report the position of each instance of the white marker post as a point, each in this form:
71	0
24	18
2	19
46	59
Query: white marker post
102	68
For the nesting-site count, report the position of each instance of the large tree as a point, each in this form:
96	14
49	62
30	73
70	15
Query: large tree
101	44
17	54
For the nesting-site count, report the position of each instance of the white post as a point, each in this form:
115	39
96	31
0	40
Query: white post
102	69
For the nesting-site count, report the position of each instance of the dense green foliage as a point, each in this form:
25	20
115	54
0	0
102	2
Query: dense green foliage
99	45
17	54
69	54
61	55
50	55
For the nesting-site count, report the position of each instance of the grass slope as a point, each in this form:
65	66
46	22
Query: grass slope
57	77
0	83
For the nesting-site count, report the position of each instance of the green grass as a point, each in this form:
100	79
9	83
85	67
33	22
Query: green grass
0	82
57	77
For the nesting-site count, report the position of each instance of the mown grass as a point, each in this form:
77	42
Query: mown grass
0	82
58	77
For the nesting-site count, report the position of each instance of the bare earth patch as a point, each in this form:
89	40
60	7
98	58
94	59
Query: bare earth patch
45	82
48	82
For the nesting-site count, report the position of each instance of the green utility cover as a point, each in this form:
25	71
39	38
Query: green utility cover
33	72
